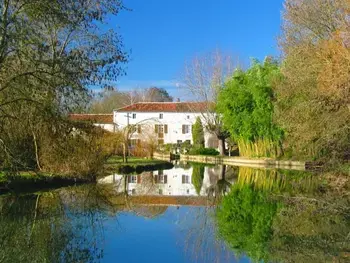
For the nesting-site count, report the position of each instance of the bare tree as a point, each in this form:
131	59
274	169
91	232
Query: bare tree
142	128
204	77
148	138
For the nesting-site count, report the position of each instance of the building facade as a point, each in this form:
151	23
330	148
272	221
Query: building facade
169	122
104	121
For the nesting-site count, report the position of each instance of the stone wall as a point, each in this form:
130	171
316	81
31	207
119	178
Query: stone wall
241	161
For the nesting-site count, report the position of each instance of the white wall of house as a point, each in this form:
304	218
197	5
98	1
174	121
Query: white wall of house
173	120
106	126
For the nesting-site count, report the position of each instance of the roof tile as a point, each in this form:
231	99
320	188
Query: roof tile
166	107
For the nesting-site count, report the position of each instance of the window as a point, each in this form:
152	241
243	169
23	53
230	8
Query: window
162	128
132	179
186	129
179	141
161	179
134	115
188	116
160	191
134	142
160	115
185	179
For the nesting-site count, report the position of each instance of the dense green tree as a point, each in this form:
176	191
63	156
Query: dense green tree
198	133
246	105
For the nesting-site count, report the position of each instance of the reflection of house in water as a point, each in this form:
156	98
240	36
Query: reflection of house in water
174	182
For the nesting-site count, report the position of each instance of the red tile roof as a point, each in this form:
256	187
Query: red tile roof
95	118
166	107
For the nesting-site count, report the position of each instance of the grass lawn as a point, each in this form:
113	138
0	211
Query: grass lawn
132	161
30	181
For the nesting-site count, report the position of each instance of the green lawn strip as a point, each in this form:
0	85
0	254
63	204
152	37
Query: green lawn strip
30	181
132	160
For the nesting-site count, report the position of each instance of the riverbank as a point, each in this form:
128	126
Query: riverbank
249	162
30	181
26	182
134	165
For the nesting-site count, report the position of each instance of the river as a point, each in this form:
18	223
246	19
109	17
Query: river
191	213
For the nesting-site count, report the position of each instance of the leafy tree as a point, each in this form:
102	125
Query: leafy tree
246	105
50	53
198	133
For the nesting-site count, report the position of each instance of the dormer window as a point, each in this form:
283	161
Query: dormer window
160	115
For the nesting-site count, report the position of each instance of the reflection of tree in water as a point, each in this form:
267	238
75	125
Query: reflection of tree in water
149	211
58	226
222	175
244	219
278	180
200	234
285	217
198	226
26	234
197	177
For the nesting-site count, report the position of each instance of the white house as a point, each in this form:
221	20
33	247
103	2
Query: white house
171	122
105	121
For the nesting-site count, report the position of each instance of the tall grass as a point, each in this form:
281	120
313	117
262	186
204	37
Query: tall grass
259	148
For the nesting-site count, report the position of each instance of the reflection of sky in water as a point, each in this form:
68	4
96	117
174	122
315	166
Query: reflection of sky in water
183	234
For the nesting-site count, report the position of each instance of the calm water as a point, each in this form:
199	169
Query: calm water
186	214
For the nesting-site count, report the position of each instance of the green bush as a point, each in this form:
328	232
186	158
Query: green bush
204	151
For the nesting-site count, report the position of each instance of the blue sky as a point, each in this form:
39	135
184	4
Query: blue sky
162	34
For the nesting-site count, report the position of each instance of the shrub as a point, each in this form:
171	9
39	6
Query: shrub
204	151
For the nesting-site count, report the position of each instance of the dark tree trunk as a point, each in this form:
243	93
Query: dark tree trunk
221	145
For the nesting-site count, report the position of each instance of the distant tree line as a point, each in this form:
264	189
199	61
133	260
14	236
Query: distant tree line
109	100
